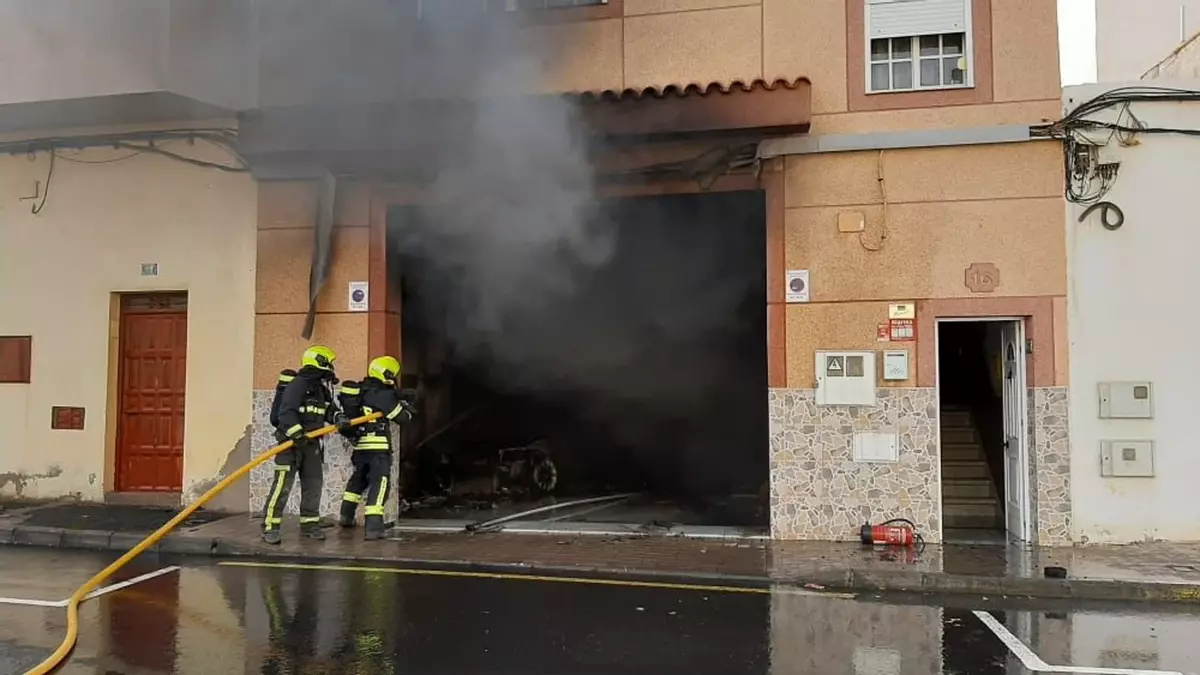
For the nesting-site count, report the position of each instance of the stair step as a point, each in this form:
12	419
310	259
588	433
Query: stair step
958	469
972	522
960	435
971	506
956	418
963	452
956	488
968	488
972	513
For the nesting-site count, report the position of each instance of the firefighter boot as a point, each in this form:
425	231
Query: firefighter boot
312	531
346	518
373	528
271	537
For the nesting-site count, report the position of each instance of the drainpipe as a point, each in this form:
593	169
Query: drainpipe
322	247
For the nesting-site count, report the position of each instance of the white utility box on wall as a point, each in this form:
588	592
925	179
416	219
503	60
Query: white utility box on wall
895	365
845	378
1126	400
876	446
1127	459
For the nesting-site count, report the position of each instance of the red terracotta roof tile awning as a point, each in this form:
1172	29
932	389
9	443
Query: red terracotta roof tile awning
691	89
778	106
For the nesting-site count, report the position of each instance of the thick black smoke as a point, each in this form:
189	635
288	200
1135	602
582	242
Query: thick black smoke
645	307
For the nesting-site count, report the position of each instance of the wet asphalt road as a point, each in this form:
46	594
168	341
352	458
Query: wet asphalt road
209	618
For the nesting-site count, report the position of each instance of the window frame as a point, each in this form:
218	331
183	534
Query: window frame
968	53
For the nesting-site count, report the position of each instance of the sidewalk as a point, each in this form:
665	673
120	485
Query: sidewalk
1144	572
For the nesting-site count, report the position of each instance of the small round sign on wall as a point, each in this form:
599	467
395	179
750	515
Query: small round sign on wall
358	296
797	286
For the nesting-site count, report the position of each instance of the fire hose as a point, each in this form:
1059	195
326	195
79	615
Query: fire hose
68	642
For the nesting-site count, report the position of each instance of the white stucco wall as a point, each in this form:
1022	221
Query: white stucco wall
1183	63
58	271
1132	316
1133	36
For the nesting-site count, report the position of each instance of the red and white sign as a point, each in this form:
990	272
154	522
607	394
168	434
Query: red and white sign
902	330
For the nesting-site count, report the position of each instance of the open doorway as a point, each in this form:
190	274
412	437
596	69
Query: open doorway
982	401
642	371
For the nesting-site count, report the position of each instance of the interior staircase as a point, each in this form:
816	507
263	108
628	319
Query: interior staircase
969	497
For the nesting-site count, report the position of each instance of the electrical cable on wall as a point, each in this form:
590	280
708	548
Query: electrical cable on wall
1105	209
136	143
705	168
114	160
883	196
37	208
1088	180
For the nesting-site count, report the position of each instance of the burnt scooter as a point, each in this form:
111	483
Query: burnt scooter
525	470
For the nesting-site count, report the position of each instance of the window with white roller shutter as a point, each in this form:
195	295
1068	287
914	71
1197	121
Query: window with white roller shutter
917	45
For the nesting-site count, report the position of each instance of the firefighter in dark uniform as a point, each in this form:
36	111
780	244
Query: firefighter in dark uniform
372	455
306	404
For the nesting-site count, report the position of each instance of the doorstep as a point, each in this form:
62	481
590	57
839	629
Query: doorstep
1156	573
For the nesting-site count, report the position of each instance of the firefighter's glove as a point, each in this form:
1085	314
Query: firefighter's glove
296	435
341	421
410	411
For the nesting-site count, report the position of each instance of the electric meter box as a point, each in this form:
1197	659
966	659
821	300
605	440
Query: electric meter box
845	378
1126	400
1127	459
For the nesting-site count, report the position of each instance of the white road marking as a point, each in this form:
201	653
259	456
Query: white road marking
1034	663
31	603
94	594
128	582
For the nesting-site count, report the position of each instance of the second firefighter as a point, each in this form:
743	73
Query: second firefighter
372	455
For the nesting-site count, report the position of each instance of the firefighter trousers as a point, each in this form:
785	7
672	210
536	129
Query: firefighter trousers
369	486
308	461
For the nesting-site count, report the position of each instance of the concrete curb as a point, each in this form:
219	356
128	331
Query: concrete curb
857	581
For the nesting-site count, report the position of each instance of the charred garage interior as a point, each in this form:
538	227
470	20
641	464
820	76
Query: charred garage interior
635	363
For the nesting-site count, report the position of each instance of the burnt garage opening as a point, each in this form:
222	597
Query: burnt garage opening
636	364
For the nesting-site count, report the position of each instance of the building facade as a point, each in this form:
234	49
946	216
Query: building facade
126	275
1129	406
902	194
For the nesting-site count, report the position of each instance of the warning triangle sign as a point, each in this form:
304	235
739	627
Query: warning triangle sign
835	364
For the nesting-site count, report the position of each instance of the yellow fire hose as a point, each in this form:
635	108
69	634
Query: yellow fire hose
72	635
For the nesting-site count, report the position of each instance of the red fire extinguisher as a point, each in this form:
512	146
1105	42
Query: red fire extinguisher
894	532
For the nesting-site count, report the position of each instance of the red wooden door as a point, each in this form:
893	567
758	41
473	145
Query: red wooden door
152	377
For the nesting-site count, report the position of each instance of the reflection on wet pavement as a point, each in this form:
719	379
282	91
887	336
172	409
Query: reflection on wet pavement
33	573
227	619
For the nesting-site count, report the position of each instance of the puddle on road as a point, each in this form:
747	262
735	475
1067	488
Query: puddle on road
254	620
40	574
